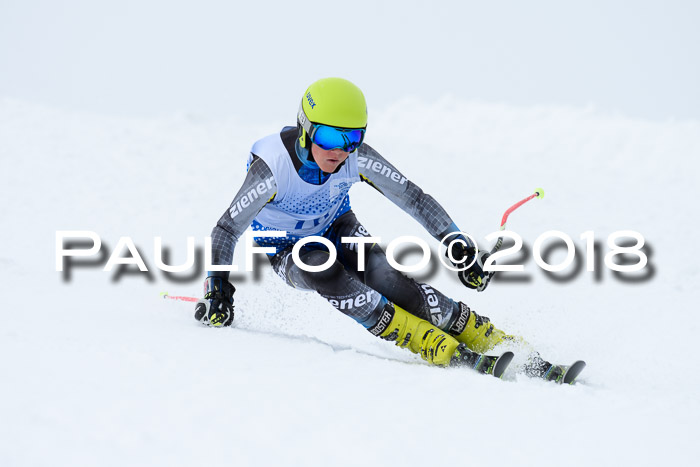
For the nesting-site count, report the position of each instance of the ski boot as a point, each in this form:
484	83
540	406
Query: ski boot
433	344
419	336
477	332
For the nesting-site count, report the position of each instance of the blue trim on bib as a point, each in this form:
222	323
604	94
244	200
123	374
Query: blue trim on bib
280	243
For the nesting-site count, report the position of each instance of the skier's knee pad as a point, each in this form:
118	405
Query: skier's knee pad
419	336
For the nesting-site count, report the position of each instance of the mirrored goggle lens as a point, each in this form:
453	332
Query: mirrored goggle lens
331	138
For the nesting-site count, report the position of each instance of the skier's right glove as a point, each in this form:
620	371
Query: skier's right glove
216	308
473	277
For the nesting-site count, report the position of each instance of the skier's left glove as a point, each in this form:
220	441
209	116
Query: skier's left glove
474	276
216	308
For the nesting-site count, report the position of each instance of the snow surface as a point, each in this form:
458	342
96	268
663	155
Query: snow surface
99	370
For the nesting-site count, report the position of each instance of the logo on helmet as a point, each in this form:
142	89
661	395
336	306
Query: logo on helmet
311	100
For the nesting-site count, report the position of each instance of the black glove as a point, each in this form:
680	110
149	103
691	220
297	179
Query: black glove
216	308
474	276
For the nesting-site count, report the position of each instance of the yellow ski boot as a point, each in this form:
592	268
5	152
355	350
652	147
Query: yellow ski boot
477	332
419	336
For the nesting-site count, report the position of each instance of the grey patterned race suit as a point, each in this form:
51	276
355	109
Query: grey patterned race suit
274	172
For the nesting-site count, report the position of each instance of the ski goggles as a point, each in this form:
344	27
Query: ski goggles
330	137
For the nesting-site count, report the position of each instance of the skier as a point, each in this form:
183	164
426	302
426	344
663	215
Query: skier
298	182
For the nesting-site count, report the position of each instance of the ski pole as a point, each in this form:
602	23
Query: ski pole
178	297
539	193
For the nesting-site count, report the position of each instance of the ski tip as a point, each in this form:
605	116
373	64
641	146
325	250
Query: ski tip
502	363
573	371
164	295
539	192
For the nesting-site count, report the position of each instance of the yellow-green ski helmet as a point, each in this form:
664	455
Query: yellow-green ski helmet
332	102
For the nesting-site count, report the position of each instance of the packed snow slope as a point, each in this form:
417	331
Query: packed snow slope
97	369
